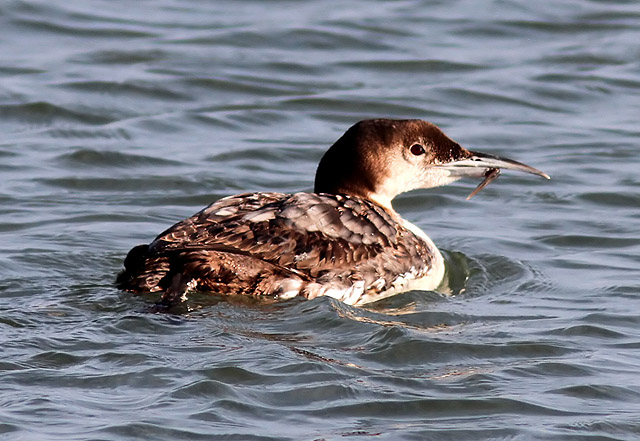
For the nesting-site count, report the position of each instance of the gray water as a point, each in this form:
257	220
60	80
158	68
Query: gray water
119	118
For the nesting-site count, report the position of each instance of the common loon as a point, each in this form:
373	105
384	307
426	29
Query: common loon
344	240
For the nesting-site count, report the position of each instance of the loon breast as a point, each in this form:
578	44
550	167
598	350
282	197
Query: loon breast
287	245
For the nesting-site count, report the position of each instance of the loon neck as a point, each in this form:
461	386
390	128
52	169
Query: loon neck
381	200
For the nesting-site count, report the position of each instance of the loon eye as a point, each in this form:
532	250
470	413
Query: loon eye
417	149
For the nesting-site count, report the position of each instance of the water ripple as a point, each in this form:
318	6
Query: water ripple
44	113
77	29
94	158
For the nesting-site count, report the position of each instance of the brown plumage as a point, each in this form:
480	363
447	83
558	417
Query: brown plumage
272	243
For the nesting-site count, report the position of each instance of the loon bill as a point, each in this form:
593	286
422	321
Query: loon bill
344	240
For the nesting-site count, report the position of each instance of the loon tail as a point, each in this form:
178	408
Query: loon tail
140	273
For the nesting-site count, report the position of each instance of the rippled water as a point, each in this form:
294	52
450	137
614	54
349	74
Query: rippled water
120	118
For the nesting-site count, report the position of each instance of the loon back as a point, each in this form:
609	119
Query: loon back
282	246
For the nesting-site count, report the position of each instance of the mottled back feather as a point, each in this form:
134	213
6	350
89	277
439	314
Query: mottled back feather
322	242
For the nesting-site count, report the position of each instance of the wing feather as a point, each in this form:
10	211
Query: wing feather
318	236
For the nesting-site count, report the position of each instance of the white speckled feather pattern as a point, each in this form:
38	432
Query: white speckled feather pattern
285	245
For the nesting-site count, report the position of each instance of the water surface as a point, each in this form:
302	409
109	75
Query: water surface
120	118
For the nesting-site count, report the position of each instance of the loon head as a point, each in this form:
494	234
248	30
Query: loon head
378	159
